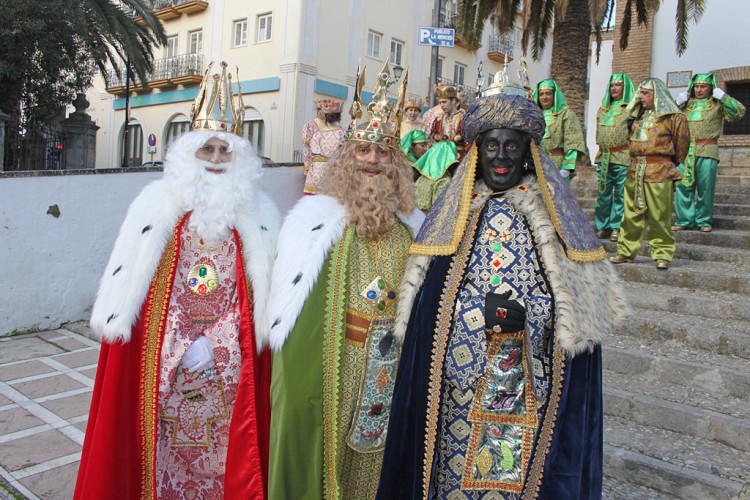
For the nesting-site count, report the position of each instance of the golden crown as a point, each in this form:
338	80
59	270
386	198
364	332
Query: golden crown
216	110
383	120
329	106
414	102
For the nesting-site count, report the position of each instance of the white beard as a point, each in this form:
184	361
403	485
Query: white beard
214	199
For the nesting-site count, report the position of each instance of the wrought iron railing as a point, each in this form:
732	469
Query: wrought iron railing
160	4
448	18
164	69
469	92
502	44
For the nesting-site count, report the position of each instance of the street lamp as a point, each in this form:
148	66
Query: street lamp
397	72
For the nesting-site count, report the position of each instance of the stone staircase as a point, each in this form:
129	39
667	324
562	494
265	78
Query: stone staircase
677	375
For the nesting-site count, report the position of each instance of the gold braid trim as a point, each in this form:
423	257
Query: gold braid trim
464	206
595	255
333	337
440	342
155	316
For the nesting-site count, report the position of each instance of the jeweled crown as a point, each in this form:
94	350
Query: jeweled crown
329	106
414	102
446	91
383	119
214	108
502	83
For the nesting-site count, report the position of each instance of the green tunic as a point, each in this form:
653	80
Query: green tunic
563	133
328	389
705	120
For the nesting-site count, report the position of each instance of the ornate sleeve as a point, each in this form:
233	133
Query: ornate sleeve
733	109
681	137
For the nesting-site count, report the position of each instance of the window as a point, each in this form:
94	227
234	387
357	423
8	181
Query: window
397	50
264	27
179	125
172	46
373	44
133	148
741	92
240	33
459	73
254	130
196	42
440	67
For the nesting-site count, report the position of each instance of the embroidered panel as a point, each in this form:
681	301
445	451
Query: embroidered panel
489	413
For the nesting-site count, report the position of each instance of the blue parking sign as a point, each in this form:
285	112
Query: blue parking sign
436	37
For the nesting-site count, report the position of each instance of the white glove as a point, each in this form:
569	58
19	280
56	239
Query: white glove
682	97
718	93
199	356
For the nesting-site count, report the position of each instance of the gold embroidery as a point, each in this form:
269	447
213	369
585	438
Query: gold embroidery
155	316
439	344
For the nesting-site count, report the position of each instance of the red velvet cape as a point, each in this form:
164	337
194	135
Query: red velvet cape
119	451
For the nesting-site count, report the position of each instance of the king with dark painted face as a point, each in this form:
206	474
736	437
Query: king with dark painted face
502	157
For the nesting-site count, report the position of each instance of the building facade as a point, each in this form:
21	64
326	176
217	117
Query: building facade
290	53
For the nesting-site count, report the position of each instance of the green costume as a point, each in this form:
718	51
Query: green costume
694	196
614	156
432	167
563	138
659	140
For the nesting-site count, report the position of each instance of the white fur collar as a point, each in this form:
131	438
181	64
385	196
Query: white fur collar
143	237
309	232
589	299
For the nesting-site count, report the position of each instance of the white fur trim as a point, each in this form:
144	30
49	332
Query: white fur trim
309	232
589	298
138	250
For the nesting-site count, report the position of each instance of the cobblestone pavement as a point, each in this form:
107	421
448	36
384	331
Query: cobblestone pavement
46	379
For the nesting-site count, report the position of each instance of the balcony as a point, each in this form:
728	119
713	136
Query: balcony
501	46
470	93
186	69
167	10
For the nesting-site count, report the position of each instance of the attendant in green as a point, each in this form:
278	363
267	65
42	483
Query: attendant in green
563	138
332	306
659	141
431	168
613	158
706	107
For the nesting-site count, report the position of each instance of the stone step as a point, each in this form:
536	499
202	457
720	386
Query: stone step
674	465
730	222
730	209
620	487
718	336
737	198
724	238
710	304
646	410
682	394
716	276
717	375
694	252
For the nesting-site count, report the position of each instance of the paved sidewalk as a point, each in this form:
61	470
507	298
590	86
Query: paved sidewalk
46	379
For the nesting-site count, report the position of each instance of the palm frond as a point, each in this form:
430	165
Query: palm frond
627	21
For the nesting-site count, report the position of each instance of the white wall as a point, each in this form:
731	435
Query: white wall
719	40
52	265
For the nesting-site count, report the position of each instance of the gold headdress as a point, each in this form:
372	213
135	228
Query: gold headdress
414	102
329	106
383	120
222	116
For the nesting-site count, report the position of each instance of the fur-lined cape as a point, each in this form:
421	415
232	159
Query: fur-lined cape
589	299
309	232
143	237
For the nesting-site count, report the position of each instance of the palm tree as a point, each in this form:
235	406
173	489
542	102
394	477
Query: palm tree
574	21
120	37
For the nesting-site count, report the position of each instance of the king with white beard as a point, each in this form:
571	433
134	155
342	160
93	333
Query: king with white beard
180	405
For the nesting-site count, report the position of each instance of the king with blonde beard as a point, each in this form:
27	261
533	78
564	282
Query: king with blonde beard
180	405
340	259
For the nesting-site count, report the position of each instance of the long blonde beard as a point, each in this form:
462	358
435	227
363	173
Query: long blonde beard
372	204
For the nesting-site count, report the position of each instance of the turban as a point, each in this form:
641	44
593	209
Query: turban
503	111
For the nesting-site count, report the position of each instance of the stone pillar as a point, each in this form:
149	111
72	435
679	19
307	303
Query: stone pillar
79	131
4	117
